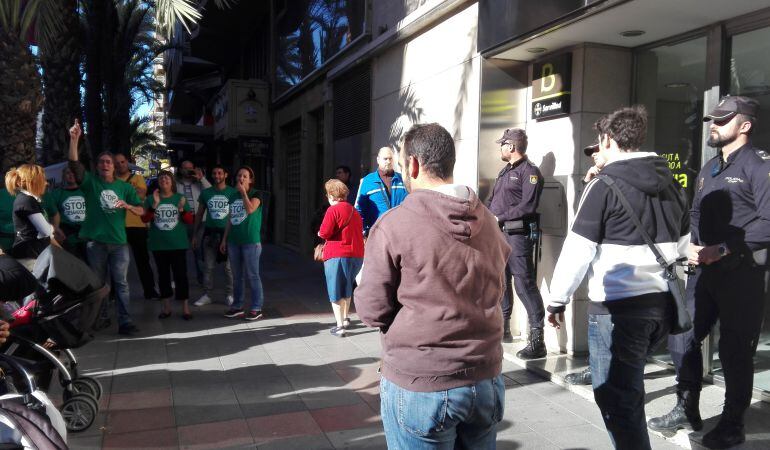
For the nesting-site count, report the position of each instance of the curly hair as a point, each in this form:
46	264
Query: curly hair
626	126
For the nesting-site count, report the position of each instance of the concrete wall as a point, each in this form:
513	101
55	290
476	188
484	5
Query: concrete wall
601	82
422	81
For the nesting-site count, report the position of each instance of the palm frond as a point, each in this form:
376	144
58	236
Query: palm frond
168	12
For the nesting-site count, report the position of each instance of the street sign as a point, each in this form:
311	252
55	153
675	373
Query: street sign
551	86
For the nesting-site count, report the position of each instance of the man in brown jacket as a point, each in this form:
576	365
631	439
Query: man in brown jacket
433	277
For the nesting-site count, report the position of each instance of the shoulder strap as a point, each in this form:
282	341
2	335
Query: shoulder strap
352	211
630	211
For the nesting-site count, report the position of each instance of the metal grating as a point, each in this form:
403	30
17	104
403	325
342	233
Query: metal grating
352	102
292	145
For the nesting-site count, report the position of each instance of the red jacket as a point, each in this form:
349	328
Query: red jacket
342	228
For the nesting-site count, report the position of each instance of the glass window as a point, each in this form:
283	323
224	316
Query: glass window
310	32
670	83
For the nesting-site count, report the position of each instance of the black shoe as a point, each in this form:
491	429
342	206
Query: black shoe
128	330
726	434
535	345
685	414
507	336
579	378
151	296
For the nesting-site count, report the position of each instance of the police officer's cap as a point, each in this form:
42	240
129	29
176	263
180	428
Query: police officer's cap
512	134
729	106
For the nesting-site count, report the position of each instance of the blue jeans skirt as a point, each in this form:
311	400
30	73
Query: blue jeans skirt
340	276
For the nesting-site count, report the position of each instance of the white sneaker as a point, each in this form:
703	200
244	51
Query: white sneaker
204	300
229	300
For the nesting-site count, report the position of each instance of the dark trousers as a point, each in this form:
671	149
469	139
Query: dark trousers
735	296
137	240
522	268
172	262
619	347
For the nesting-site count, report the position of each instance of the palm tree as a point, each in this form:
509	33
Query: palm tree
60	55
20	94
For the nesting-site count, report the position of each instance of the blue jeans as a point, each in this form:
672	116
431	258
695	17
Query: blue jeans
244	262
619	347
114	257
459	418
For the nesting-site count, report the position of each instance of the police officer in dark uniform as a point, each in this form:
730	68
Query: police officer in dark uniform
730	234
514	200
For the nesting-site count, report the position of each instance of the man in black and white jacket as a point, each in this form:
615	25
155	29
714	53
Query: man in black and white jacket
631	309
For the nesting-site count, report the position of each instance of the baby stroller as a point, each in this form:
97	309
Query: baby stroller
60	317
28	419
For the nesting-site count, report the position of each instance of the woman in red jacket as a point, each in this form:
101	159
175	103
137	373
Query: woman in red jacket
343	254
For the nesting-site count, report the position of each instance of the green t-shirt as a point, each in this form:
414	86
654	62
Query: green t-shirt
105	223
244	228
167	232
217	205
7	232
71	206
49	206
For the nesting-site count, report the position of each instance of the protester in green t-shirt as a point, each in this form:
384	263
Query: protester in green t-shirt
213	212
242	241
168	211
107	201
70	204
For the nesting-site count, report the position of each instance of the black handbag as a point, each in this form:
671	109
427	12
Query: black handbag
682	322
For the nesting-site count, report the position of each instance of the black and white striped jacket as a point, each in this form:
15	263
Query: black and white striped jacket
605	244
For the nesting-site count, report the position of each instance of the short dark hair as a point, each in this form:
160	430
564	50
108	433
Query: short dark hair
433	147
218	166
167	173
345	169
747	118
626	126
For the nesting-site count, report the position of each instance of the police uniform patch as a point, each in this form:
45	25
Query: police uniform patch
763	154
533	179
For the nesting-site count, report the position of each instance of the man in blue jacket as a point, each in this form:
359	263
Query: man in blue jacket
380	190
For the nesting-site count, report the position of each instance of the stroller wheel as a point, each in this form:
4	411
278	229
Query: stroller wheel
88	385
79	412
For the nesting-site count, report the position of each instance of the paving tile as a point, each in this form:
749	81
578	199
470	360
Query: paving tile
165	438
345	417
546	417
326	398
205	403
361	438
253	373
141	381
81	442
267	397
160	398
528	441
315	442
139	420
215	435
270	428
581	436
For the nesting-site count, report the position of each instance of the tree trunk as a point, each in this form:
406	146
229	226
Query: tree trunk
100	28
20	101
61	83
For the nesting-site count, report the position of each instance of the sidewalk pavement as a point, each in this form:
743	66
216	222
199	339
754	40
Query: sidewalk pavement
283	382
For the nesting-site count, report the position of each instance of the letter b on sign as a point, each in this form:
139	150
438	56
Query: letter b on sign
547	78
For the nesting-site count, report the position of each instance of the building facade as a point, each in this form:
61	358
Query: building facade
345	78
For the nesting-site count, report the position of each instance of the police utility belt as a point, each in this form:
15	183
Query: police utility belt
520	226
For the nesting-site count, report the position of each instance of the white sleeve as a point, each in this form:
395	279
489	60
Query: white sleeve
44	229
575	259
